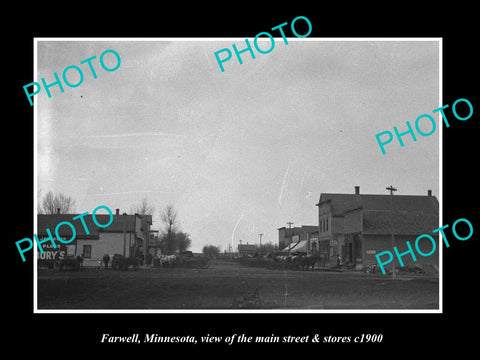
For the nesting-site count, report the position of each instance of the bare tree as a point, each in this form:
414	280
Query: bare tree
143	208
39	205
51	202
169	218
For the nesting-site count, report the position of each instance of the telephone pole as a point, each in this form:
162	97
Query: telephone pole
392	189
290	223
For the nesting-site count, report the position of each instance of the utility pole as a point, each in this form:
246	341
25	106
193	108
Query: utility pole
290	223
392	189
260	235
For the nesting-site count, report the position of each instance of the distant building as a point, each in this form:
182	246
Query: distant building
246	249
155	246
357	226
126	235
301	238
287	236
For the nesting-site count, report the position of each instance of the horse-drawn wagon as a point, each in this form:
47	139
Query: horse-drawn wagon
68	263
183	259
120	262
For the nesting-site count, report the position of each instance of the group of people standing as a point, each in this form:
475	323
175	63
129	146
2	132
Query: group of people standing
141	258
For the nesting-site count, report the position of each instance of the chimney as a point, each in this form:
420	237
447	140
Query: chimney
117	211
58	210
357	190
429	192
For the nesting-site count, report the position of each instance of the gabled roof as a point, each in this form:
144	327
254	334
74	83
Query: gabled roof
342	203
120	223
412	214
376	222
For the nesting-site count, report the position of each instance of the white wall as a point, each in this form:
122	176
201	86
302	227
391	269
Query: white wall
108	243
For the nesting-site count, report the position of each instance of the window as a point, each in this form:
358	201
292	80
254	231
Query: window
87	251
324	224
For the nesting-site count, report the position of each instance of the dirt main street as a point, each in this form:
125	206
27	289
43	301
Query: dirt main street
229	285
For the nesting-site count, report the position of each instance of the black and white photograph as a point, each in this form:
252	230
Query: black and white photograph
260	187
219	181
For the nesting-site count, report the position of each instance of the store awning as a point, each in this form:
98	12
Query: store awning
290	247
300	247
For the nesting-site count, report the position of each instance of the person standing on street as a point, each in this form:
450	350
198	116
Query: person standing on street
106	259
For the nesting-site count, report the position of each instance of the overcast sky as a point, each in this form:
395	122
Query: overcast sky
241	152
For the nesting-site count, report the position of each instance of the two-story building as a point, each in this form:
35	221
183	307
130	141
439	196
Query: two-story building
126	235
301	239
355	227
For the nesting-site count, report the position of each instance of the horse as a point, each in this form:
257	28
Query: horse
167	260
280	259
132	260
308	260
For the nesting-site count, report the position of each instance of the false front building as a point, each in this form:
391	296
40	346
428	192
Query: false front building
298	239
354	227
127	235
